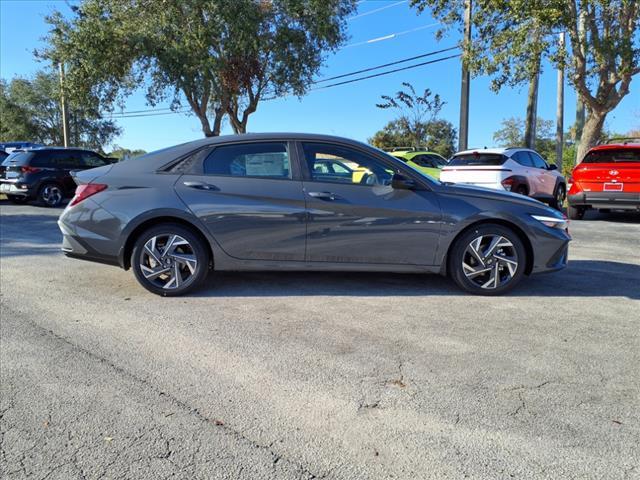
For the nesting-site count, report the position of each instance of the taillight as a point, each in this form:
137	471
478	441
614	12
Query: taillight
85	191
507	183
29	169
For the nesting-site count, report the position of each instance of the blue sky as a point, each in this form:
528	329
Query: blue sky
347	110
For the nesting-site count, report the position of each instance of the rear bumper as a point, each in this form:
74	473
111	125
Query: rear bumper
14	188
610	200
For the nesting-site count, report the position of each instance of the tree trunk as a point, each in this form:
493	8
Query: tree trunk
590	133
532	114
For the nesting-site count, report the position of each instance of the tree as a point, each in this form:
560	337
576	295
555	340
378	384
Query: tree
600	64
416	125
122	153
30	110
513	134
220	57
436	135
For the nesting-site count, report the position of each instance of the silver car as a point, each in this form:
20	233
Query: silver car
302	202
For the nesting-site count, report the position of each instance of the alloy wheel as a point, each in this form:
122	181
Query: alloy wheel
490	261
52	195
168	261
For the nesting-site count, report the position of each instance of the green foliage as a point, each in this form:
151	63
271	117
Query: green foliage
220	57
417	124
508	38
122	153
436	135
30	111
512	135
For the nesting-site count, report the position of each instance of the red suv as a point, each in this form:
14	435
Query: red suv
607	179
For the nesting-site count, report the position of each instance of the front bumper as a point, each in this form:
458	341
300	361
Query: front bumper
550	250
610	200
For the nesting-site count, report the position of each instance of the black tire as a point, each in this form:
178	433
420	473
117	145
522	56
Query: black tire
458	255
558	197
17	199
575	213
522	190
51	195
140	258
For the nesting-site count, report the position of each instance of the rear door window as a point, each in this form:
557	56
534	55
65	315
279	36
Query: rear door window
523	158
269	160
538	161
477	158
613	156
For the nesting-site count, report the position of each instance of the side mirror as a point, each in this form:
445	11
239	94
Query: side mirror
553	166
112	160
400	182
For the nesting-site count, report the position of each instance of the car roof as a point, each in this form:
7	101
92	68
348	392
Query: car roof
412	153
158	158
495	150
616	146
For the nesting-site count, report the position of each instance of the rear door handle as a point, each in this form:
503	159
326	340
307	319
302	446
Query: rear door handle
200	185
325	195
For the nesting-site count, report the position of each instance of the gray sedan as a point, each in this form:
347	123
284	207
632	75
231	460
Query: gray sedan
269	202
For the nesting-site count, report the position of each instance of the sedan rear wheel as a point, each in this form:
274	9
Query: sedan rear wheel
170	260
488	260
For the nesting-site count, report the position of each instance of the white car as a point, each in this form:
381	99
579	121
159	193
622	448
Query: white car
518	170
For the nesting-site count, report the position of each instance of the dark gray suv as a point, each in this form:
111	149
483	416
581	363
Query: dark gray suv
302	202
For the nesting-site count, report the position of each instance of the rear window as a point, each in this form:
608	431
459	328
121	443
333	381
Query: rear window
477	159
19	158
613	156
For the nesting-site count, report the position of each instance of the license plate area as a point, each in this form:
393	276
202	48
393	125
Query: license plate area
613	187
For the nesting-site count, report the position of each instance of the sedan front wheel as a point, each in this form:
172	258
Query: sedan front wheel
488	260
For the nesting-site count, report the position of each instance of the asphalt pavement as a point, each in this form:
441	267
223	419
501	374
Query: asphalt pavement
318	375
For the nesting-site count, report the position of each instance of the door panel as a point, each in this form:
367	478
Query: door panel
361	218
251	218
371	224
246	195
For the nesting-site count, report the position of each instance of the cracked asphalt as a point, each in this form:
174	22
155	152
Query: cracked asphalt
318	375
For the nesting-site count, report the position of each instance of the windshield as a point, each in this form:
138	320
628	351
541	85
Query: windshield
476	158
613	156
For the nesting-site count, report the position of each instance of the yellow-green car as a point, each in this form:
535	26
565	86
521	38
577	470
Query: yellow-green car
426	162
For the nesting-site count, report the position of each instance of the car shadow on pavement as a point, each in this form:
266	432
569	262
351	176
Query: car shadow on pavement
582	278
617	217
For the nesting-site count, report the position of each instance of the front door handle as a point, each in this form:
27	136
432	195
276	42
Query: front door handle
200	185
324	195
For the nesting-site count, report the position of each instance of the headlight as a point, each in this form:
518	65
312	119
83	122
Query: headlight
552	221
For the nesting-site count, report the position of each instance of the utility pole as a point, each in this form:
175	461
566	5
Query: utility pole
463	134
580	109
560	108
63	105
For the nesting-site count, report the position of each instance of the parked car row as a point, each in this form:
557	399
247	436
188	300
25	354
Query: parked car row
43	173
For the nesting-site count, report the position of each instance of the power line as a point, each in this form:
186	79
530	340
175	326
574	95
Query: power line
386	73
386	65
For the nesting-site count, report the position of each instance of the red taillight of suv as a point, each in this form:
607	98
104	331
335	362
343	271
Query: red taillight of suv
29	169
507	183
85	191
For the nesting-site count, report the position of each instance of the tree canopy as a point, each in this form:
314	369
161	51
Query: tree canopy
220	57
509	36
417	124
30	111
